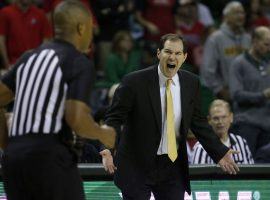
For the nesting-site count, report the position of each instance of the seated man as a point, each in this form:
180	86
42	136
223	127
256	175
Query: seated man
220	118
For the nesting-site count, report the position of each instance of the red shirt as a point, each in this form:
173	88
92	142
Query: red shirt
193	37
160	13
193	34
260	21
23	30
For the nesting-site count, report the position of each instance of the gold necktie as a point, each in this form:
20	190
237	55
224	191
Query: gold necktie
172	149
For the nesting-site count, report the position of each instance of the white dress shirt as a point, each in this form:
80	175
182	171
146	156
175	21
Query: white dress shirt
176	96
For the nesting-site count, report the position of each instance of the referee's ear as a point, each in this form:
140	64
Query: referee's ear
81	28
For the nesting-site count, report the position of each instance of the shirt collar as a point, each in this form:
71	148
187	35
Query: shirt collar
231	139
253	61
163	79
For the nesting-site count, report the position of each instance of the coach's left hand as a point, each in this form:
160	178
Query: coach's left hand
227	164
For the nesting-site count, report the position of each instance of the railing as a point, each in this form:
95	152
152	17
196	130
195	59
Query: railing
257	171
95	171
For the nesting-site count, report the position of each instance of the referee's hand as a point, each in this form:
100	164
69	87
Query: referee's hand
227	164
108	138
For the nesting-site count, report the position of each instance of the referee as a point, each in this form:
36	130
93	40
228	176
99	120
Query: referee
50	86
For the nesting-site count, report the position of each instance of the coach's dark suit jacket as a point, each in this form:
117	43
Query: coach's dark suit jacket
136	111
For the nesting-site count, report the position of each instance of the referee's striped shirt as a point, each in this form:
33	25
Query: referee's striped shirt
42	81
238	143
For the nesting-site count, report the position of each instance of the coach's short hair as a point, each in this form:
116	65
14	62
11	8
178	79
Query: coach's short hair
171	37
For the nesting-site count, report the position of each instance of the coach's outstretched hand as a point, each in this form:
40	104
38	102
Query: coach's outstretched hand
227	164
107	161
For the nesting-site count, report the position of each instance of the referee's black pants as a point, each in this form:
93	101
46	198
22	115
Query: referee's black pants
40	167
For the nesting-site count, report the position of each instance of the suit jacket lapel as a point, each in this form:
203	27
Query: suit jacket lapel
154	93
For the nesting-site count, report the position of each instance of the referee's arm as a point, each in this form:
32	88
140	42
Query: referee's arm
6	96
81	122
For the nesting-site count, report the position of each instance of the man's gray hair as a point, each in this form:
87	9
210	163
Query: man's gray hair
227	9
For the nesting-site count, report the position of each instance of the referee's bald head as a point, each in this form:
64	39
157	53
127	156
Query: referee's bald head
73	23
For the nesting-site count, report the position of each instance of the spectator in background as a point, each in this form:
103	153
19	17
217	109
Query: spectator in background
266	8
222	47
220	118
259	13
249	81
204	14
23	26
205	17
149	54
112	16
156	17
192	30
123	59
216	7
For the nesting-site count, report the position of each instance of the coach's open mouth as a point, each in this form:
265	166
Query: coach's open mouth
171	66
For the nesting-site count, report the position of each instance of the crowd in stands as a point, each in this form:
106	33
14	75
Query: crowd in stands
228	47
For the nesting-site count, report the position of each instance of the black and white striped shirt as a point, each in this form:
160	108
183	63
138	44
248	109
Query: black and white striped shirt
42	80
238	143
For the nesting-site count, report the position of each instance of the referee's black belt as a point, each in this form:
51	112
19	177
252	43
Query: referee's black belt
35	138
